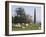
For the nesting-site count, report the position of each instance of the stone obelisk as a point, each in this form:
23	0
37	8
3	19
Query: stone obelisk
34	15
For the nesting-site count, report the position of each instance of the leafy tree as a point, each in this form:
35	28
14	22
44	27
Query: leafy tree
20	11
21	16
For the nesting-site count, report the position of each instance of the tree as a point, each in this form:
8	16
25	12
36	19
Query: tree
20	11
21	16
28	19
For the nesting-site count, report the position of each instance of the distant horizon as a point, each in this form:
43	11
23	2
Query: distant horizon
28	10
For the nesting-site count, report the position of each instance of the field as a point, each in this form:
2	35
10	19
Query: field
22	27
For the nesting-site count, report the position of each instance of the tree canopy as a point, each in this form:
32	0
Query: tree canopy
21	16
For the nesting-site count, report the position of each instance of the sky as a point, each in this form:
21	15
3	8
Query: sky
28	10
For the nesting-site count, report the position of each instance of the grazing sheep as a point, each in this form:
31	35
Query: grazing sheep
26	24
22	23
23	27
17	25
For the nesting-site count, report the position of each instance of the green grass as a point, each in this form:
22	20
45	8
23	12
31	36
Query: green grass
29	27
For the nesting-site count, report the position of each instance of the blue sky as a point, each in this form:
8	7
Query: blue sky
28	10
